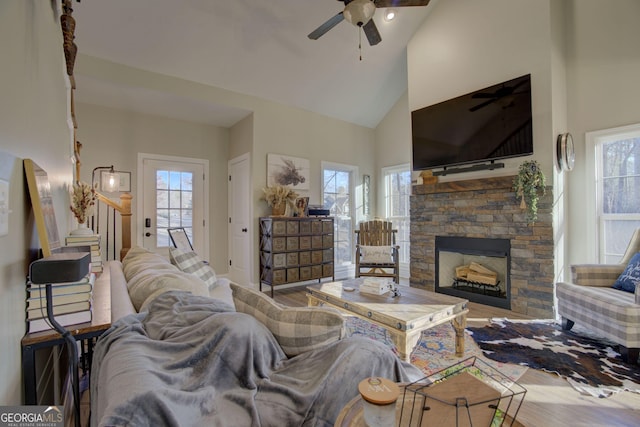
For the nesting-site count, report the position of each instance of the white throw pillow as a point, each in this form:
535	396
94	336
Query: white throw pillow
222	291
376	254
190	262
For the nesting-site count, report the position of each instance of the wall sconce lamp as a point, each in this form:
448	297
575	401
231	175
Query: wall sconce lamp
60	268
110	180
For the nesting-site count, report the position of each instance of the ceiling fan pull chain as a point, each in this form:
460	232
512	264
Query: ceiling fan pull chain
360	40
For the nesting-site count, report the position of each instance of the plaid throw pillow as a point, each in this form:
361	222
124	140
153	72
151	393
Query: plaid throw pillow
297	329
190	262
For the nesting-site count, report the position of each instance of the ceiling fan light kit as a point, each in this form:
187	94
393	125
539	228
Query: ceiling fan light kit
390	15
359	12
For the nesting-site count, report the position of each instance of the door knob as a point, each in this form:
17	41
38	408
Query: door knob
244	230
147	234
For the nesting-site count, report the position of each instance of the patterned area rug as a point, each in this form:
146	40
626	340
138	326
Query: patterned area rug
592	366
435	350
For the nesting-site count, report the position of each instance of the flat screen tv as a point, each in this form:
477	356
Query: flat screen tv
485	125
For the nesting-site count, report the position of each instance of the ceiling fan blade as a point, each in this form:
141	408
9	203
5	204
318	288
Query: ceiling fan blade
372	33
322	29
482	105
400	3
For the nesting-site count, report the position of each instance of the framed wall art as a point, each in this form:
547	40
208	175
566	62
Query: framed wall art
302	207
285	170
42	205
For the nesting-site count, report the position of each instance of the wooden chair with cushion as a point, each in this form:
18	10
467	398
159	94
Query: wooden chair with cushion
376	250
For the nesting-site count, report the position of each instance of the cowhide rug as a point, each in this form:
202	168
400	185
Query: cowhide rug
592	366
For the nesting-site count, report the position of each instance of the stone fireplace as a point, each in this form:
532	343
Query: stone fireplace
486	208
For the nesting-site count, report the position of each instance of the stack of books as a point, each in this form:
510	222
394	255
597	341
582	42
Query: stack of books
71	303
93	241
376	285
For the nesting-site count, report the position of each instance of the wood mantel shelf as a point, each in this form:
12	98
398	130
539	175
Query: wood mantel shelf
467	185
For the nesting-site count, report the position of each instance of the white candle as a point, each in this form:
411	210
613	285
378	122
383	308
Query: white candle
379	397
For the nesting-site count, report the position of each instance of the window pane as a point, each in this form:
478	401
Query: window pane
162	199
187	219
397	193
162	219
174	203
187	181
617	234
621	176
619	193
187	200
162	180
337	199
174	180
174	218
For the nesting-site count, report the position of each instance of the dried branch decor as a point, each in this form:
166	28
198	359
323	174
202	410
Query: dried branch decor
279	196
83	197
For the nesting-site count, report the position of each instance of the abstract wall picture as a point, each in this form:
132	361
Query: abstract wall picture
42	205
285	170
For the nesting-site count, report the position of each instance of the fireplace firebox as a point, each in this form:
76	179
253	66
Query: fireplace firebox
477	269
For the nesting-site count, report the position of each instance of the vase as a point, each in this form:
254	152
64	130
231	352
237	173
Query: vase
82	230
278	209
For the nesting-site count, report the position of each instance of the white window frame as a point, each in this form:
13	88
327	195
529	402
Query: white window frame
594	141
343	270
386	172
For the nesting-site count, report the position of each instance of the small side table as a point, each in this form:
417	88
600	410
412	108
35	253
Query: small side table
84	332
352	414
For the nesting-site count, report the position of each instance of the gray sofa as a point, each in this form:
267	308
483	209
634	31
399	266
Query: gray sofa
592	302
181	353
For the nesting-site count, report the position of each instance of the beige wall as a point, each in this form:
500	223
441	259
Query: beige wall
33	124
465	45
298	133
270	128
603	92
115	137
393	147
241	137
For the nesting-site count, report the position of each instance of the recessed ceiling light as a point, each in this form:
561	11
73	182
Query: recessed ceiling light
389	15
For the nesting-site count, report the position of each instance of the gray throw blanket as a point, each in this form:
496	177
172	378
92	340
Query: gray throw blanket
194	361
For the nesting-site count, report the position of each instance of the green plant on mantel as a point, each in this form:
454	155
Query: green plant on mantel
527	185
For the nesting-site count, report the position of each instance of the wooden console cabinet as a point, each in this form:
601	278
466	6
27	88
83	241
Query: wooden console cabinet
295	250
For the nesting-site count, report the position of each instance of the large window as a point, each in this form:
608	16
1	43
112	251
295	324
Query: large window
618	190
337	196
397	192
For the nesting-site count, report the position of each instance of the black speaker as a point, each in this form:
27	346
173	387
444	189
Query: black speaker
60	268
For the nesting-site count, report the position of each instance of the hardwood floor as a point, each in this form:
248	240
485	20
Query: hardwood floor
550	400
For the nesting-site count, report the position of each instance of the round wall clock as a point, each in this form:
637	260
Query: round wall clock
564	151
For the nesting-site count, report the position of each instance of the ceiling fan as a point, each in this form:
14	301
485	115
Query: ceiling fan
359	13
502	92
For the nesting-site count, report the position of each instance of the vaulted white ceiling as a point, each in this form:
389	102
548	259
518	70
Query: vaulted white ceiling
257	48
